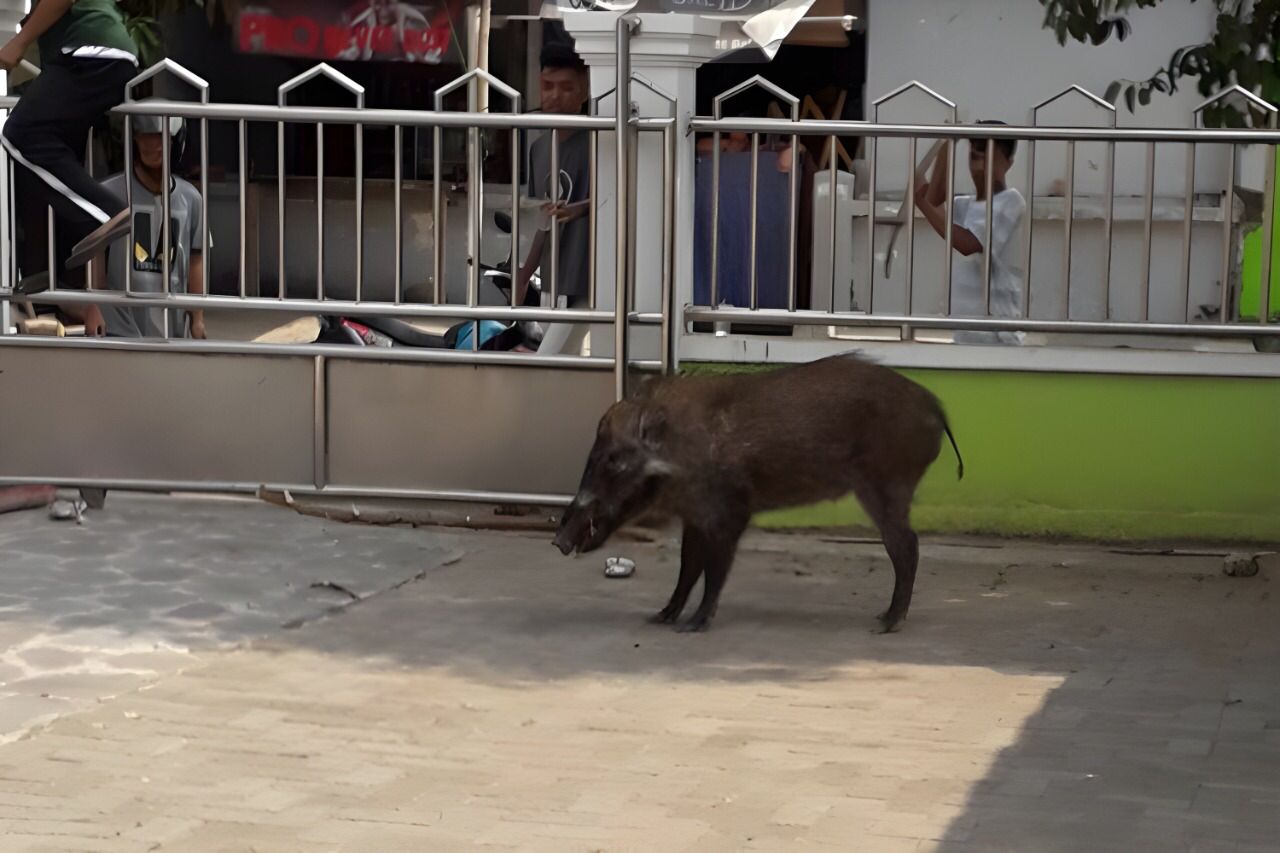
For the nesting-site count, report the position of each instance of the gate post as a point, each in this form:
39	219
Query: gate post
666	52
624	135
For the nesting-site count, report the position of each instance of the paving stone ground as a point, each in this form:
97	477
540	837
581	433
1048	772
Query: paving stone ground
148	587
1039	698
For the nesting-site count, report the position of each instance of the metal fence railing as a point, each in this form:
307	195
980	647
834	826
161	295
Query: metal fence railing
623	131
858	292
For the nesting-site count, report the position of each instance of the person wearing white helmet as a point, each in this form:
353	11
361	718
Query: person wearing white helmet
186	250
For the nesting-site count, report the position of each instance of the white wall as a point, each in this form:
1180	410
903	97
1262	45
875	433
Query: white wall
996	61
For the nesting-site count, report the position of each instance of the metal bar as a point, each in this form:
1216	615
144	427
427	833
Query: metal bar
1108	228
593	216
986	246
949	261
753	274
826	127
1228	213
437	218
909	202
7	243
554	188
332	351
475	205
51	223
243	144
347	308
359	212
515	213
128	203
254	487
1189	193
356	115
90	272
1068	221
281	189
622	115
398	296
715	221
793	226
320	435
669	157
633	164
166	235
775	317
784	127
831	235
1148	210
1268	235
320	212
871	224
205	259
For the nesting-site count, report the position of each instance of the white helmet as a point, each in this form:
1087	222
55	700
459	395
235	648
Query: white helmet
155	124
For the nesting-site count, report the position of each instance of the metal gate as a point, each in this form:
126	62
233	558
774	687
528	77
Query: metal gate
433	423
169	414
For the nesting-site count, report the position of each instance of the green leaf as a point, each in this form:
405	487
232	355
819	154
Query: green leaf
1128	98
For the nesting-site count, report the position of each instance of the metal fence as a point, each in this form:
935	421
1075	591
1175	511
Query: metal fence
622	130
899	209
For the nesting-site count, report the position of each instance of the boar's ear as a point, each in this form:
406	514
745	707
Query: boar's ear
653	427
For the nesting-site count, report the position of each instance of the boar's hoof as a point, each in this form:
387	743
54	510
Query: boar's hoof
696	625
662	617
889	623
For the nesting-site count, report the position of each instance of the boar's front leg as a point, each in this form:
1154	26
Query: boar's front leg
717	548
693	551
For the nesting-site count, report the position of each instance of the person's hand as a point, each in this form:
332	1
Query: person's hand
197	327
11	54
563	212
94	325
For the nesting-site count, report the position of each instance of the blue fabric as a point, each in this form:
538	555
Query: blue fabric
488	329
772	231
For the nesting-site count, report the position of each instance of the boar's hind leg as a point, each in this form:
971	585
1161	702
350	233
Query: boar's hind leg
891	513
693	554
716	549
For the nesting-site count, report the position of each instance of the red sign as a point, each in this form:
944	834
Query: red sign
384	30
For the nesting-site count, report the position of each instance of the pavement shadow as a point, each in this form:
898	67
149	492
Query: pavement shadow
195	573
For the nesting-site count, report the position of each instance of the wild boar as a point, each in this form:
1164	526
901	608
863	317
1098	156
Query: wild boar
713	451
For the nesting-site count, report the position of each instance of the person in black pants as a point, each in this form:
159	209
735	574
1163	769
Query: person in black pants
87	59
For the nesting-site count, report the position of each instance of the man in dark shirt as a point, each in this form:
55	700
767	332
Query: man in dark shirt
564	88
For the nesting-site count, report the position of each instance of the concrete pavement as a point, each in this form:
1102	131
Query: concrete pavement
1039	698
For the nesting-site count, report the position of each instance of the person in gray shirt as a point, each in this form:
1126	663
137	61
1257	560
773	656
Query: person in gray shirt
564	89
186	271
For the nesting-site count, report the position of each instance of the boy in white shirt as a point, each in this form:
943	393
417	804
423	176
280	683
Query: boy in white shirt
969	231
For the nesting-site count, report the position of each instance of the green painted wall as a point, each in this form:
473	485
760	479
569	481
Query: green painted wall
1092	456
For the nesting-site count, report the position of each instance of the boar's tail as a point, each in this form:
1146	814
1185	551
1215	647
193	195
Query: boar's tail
947	428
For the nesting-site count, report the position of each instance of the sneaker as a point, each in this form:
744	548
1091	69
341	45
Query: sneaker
65	510
101	237
32	284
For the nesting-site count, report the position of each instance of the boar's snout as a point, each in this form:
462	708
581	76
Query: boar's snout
563	542
575	529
